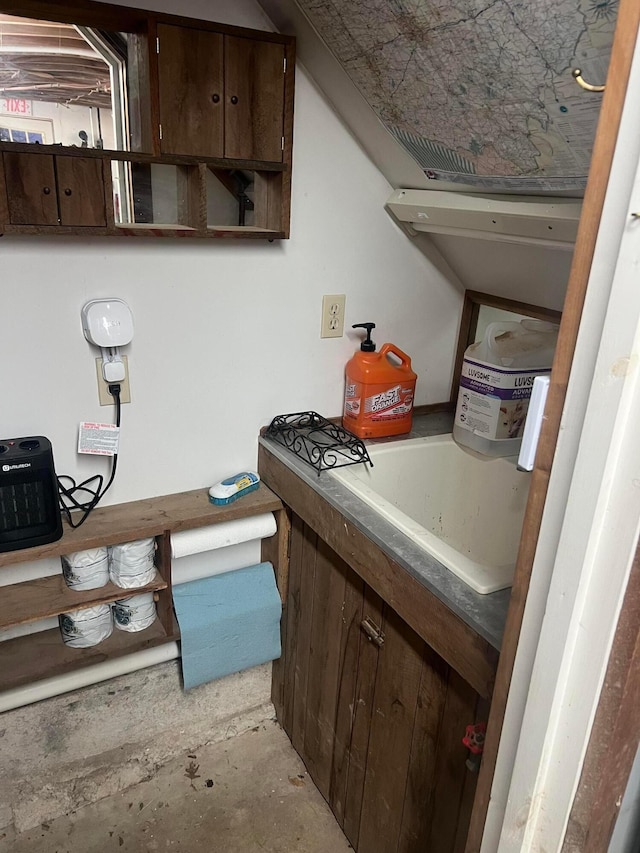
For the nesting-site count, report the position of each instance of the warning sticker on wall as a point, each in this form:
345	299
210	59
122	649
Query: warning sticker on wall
98	439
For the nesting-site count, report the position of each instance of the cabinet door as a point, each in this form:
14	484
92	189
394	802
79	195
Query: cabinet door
31	189
418	792
190	71
376	715
254	99
80	191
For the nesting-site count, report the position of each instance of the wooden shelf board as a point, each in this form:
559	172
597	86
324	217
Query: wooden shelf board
142	157
44	655
241	228
246	231
153	230
56	230
145	230
150	226
123	19
151	517
32	600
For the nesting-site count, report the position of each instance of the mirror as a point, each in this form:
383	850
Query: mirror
66	84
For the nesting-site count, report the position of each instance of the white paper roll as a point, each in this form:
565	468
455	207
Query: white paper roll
131	563
86	569
221	535
86	627
134	613
210	563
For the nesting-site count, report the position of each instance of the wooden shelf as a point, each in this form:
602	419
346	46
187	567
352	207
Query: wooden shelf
141	519
37	599
142	157
245	231
44	655
150	226
150	229
26	659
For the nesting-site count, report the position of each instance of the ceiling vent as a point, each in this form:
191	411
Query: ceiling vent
535	220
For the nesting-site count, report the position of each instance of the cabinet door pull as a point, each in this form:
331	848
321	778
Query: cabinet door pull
374	634
46	190
215	98
67	191
234	99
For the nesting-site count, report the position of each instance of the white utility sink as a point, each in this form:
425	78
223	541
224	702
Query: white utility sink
463	509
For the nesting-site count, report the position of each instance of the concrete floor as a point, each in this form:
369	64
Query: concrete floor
249	794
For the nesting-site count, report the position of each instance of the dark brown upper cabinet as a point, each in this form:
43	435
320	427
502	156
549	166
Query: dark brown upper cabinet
220	96
160	104
254	99
191	86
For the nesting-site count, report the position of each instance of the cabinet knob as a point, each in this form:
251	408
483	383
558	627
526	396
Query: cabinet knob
215	98
46	190
67	191
234	99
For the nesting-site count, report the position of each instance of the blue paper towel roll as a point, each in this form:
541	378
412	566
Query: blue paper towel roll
228	623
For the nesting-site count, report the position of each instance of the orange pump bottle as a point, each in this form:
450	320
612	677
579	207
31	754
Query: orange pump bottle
378	397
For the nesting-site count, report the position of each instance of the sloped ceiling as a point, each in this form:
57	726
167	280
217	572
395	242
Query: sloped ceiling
531	274
476	92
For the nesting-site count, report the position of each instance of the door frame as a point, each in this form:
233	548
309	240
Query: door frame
603	223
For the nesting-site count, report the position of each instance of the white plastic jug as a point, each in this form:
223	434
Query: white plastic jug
495	384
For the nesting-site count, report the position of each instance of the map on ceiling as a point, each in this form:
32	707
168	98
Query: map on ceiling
479	92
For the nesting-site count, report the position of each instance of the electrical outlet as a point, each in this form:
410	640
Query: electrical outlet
107	399
333	316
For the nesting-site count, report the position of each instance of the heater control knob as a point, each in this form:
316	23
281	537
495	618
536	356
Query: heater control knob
30	444
3	448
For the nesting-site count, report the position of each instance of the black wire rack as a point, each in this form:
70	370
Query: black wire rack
317	441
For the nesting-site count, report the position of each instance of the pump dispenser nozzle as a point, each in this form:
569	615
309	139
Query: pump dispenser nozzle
367	345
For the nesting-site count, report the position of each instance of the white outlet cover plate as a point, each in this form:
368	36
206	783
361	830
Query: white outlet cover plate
333	305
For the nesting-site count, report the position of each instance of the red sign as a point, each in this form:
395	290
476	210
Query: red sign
15	106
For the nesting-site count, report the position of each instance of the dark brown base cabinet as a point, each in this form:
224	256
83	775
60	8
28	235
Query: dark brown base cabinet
376	715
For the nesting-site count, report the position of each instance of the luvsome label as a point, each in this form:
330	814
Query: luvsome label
493	401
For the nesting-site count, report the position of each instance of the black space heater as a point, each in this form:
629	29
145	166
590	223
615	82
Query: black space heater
29	509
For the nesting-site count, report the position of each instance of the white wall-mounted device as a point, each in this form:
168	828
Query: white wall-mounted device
108	323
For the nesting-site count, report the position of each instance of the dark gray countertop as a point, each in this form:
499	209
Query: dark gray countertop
486	614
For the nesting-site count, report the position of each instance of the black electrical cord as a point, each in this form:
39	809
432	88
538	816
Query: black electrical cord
69	494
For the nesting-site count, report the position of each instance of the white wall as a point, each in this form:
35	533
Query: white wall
227	332
534	274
